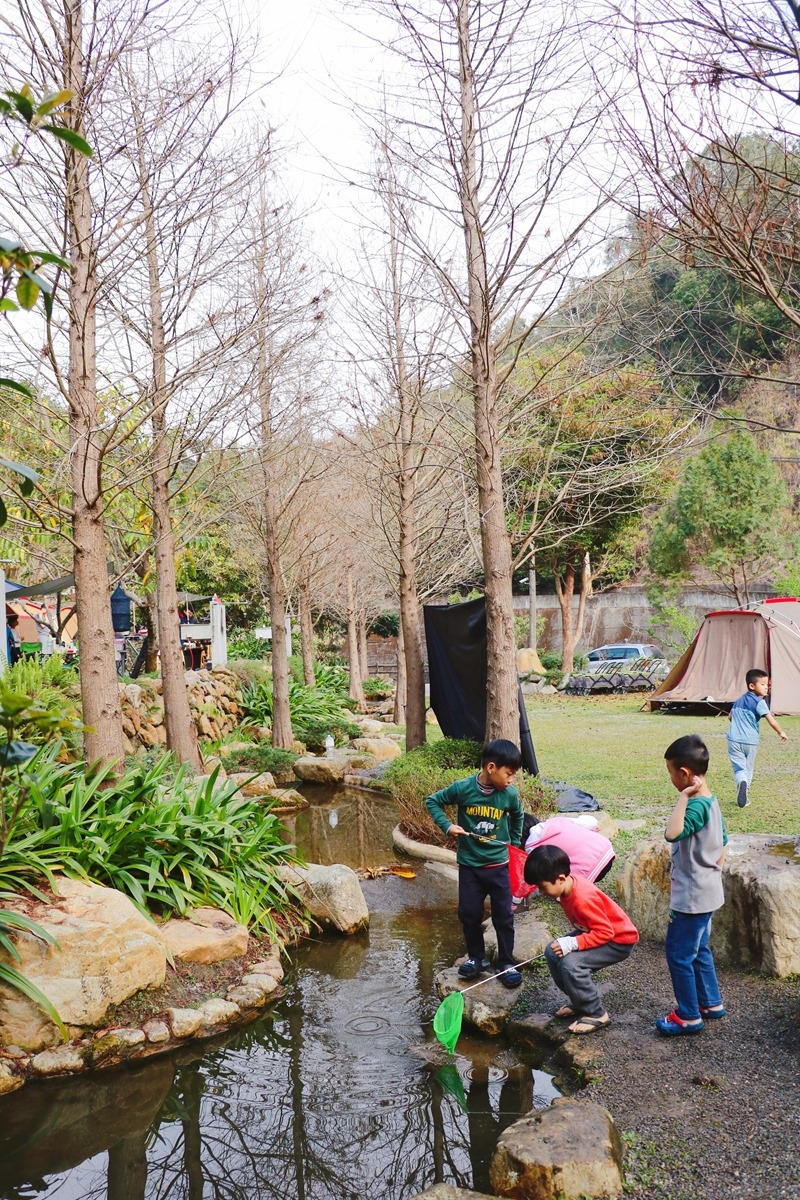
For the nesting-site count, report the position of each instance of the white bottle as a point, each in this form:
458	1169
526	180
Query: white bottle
329	744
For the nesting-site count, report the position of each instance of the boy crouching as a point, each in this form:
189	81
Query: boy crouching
602	935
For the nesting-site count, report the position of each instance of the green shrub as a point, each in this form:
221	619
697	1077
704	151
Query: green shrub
247	646
248	671
428	769
334	678
169	846
537	797
377	688
257	758
551	660
53	686
316	711
314	731
386	624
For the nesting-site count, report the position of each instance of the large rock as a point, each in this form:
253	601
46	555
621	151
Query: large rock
528	662
253	785
106	951
332	895
530	937
184	1021
10	1078
757	926
564	1152
487	1007
63	1060
208	936
381	748
370	728
286	800
331	770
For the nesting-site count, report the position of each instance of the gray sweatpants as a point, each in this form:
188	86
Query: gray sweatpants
573	974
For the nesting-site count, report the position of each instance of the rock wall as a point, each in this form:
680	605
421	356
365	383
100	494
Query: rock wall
215	700
757	926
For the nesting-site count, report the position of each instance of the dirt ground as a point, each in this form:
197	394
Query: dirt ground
710	1117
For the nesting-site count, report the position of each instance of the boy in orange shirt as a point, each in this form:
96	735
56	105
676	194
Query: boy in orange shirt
602	934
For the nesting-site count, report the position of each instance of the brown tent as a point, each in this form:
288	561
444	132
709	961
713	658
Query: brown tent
728	644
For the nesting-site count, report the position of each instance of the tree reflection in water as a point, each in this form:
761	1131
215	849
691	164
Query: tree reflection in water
332	1099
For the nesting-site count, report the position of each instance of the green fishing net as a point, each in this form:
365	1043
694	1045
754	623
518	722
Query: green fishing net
447	1020
453	1084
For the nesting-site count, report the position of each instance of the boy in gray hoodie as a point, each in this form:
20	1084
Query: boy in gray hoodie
698	837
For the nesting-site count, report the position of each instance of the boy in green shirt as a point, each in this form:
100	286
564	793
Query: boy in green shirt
489	818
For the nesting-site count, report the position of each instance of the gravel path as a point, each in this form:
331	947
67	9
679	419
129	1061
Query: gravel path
711	1117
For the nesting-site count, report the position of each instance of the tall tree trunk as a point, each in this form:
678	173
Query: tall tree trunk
151	628
99	682
565	590
571	624
306	630
411	626
181	731
356	691
282	735
142	569
502	709
409	644
400	691
363	649
534	660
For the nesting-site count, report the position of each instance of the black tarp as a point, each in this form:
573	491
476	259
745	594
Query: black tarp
456	638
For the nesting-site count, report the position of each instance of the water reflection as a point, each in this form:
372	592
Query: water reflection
344	825
339	1095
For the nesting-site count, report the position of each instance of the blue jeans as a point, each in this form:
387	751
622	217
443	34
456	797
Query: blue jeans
743	760
691	964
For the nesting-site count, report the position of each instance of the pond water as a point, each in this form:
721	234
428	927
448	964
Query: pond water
340	1093
344	825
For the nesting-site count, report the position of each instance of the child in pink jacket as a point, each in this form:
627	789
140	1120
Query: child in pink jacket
591	855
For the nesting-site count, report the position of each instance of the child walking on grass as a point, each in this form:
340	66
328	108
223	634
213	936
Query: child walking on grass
743	734
488	819
602	935
698	837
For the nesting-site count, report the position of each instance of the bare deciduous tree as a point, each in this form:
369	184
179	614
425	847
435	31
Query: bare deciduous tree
491	139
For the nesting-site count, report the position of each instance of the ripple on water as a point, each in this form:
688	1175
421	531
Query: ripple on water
343	1087
484	1075
367	1025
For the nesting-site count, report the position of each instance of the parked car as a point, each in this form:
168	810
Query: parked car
623	654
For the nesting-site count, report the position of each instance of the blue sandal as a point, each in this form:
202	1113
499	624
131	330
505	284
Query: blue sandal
675	1026
713	1014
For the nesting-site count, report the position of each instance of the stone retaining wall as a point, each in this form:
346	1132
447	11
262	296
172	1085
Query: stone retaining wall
215	702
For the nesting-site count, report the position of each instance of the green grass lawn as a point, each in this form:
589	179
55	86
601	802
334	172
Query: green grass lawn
610	748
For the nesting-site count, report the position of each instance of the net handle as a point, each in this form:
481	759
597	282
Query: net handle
513	967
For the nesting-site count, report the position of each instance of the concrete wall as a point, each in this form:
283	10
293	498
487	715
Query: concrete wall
622	615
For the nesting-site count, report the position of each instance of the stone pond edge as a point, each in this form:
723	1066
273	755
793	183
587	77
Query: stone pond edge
112	1046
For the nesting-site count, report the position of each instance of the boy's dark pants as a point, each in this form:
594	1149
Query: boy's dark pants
573	974
474	885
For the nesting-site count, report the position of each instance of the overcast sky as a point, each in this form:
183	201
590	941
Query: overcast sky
325	60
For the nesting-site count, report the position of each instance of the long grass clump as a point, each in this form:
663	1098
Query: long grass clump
168	842
435	766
